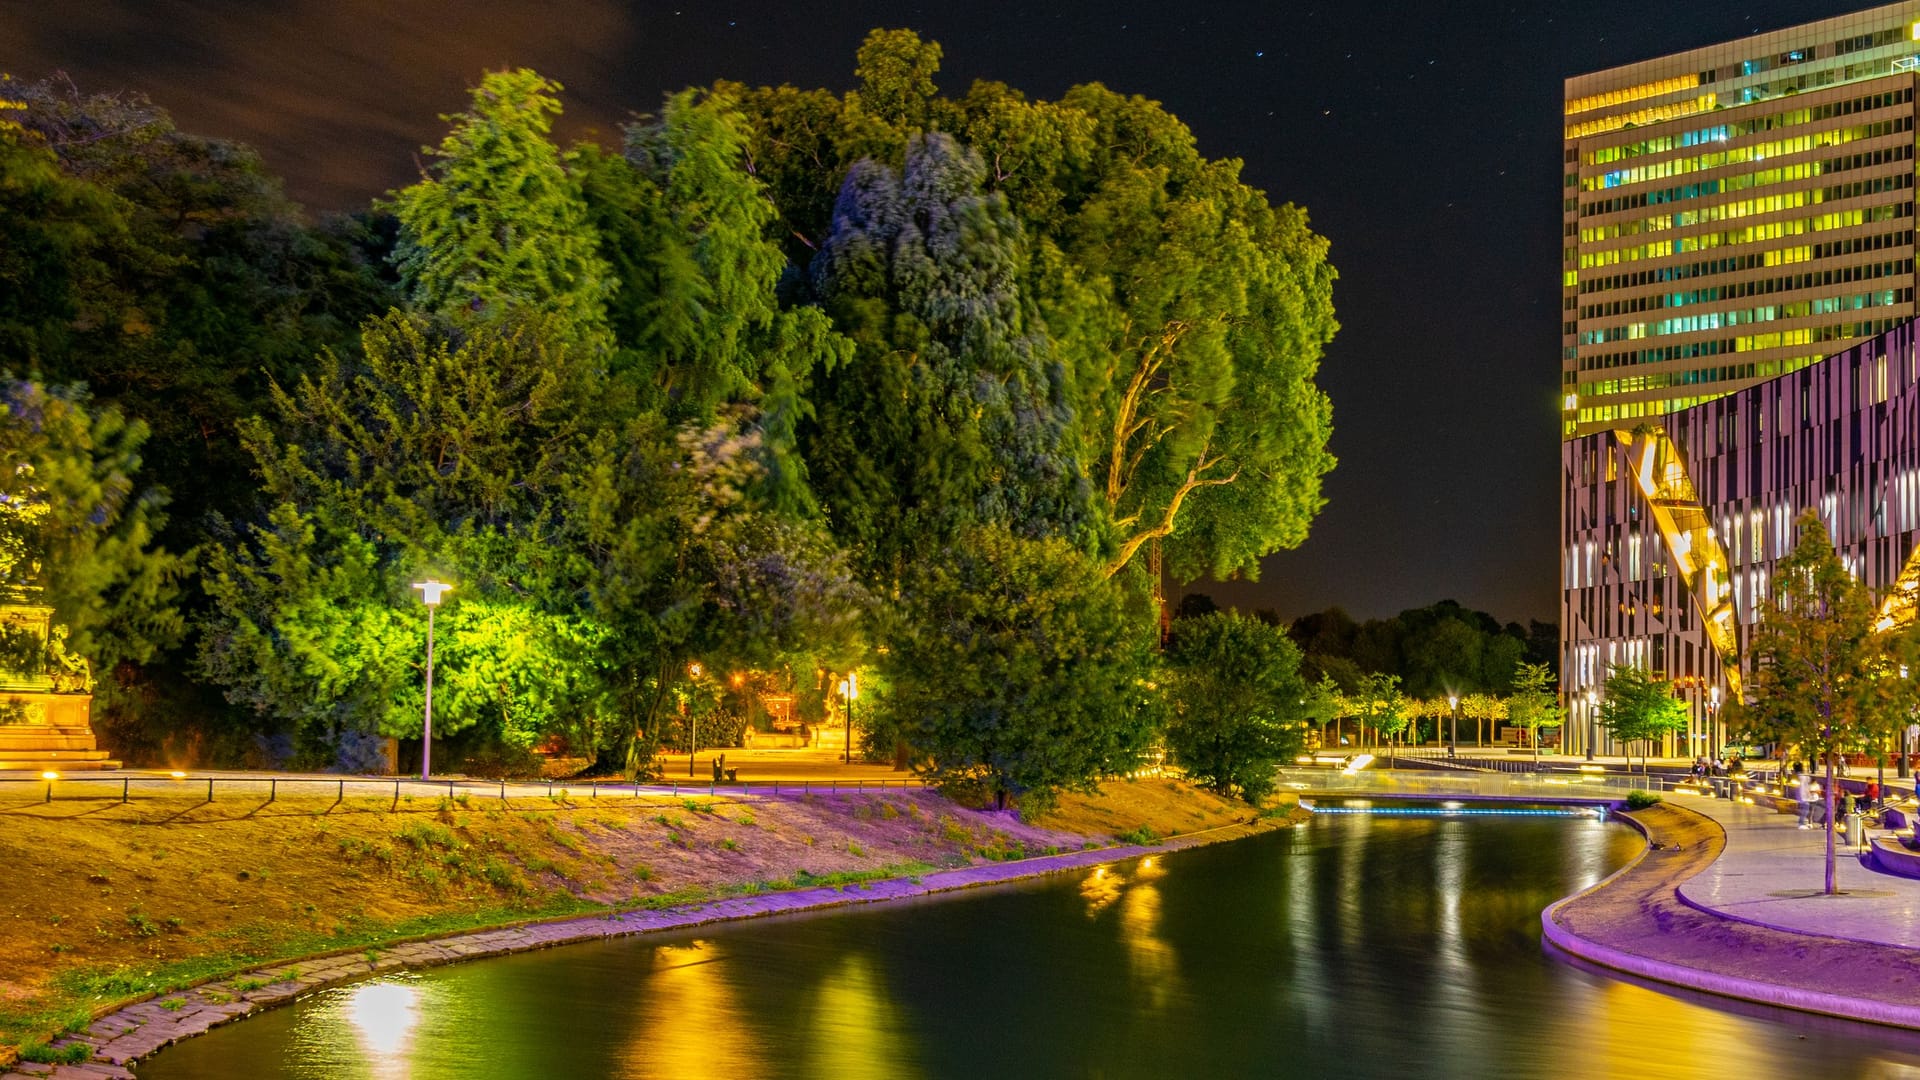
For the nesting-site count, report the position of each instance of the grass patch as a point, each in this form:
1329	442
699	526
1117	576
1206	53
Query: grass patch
1141	835
70	1054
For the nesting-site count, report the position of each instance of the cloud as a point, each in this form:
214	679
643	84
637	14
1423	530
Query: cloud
337	95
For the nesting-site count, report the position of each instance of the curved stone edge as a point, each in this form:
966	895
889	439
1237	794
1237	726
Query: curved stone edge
1764	993
132	1032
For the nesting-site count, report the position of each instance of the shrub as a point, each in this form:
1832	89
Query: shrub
1640	800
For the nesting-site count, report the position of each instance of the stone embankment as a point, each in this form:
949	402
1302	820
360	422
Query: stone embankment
128	1034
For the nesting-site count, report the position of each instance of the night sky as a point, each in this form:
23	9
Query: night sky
1422	137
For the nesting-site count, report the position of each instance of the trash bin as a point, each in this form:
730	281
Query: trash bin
1856	831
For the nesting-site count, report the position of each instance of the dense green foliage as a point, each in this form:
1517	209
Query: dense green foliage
1535	704
1437	650
77	534
1636	707
1015	669
785	385
1237	706
1818	664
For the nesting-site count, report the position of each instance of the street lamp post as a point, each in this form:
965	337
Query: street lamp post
1713	725
430	592
693	721
850	689
1453	729
1906	735
1593	725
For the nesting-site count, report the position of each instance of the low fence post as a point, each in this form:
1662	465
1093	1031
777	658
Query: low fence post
273	788
123	788
209	789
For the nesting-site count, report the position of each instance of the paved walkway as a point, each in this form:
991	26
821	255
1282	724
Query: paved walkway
1773	874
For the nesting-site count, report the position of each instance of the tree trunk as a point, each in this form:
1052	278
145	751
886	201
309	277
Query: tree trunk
1831	889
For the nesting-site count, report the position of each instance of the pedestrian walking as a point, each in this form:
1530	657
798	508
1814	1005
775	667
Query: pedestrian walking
1803	794
1873	795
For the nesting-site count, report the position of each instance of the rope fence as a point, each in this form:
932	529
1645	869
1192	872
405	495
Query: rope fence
126	788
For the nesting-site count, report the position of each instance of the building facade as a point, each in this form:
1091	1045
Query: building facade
1672	527
1735	213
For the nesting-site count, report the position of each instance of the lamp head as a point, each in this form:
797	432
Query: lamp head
694	669
431	591
1453	701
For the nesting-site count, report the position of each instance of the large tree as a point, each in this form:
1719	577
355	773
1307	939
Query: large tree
77	531
1187	312
953	411
1237	706
1015	670
169	274
498	228
429	454
1817	662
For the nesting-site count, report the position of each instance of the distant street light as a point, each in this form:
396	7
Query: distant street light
850	689
430	592
1593	723
1453	735
693	720
1713	725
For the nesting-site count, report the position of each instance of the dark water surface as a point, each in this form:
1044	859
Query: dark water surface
1354	947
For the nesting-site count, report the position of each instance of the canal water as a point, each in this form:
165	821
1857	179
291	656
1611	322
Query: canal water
1353	947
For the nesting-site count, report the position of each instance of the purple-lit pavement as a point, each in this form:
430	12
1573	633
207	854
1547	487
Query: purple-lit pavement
1772	873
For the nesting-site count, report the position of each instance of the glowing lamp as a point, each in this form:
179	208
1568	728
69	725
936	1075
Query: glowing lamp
431	591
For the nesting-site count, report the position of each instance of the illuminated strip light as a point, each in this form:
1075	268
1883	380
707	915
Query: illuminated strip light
1437	811
1898	608
1660	472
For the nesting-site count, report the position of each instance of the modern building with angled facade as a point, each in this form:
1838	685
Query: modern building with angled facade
1737	344
1673	528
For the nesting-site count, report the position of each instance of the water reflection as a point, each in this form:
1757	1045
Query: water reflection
1100	889
383	1016
688	1022
854	1029
1155	967
1380	949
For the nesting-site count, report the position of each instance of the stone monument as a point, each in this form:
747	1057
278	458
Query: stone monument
46	708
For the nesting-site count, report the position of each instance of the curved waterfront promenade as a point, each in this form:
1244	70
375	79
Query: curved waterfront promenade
1728	900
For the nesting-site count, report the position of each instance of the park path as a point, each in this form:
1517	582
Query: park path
1638	921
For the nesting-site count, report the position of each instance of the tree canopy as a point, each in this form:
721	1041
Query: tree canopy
786	382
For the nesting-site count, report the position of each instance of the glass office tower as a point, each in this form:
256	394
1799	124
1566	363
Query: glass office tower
1734	213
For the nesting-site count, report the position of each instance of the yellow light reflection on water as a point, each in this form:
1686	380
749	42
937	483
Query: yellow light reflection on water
854	1030
691	1024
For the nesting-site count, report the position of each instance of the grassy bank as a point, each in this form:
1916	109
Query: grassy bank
107	902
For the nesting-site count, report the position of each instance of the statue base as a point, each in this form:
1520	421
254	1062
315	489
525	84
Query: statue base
44	731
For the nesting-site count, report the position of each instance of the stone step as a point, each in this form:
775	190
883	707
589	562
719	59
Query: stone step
57	761
16	741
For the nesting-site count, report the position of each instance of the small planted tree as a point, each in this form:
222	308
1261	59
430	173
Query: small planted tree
1639	707
1534	705
1816	657
1238	704
1380	705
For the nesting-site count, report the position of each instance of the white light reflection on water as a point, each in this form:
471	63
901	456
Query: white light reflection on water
382	1018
